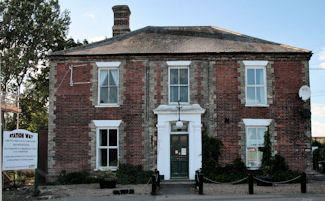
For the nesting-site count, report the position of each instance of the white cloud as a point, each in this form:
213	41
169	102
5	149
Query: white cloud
97	38
322	65
90	15
318	128
318	110
322	55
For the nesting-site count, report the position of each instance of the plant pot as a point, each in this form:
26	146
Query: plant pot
107	183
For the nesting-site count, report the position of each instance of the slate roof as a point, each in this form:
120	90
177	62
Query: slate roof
180	39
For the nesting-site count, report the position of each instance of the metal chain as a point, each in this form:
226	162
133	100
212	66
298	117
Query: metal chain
233	182
149	181
280	182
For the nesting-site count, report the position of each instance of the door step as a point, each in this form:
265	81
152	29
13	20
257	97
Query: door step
178	181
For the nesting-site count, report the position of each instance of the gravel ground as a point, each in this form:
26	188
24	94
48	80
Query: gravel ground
58	191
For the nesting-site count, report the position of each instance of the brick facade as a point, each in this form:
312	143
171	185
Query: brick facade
216	84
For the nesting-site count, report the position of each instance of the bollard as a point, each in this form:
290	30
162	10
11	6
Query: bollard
303	181
201	183
153	187
250	184
158	178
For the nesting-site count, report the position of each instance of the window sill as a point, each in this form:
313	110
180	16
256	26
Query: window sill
251	105
106	168
253	168
181	103
107	105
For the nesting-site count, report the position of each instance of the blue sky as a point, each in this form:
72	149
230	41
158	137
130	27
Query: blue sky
298	23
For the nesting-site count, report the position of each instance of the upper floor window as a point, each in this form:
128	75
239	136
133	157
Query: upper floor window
179	84
256	85
108	81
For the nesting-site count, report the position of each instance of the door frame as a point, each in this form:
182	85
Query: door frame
187	154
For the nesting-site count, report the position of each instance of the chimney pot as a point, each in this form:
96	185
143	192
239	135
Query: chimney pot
121	20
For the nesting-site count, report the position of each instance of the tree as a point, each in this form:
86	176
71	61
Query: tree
267	150
29	31
34	101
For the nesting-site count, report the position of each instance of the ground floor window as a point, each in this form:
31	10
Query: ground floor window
107	148
254	144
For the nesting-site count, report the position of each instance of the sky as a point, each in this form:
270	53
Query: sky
298	23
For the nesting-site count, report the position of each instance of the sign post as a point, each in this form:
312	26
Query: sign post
36	191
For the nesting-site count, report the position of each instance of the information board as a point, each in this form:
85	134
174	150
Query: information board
19	150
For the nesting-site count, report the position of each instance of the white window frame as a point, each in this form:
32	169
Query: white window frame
254	123
256	65
256	146
107	125
107	66
179	85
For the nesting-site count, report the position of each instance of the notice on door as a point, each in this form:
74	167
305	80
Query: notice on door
19	150
183	151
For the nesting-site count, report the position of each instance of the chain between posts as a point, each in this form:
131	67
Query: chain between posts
280	182
233	182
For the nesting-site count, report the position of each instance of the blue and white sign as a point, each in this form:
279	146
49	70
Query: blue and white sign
19	150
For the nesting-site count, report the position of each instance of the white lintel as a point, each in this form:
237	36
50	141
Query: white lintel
255	63
108	64
185	109
257	122
107	123
178	63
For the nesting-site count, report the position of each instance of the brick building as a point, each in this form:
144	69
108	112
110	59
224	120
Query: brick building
116	101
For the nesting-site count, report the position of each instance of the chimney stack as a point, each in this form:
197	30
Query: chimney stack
121	20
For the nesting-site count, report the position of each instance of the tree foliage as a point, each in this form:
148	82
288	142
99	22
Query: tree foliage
29	31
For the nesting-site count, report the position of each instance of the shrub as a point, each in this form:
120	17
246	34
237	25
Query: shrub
129	174
83	177
74	178
278	169
210	154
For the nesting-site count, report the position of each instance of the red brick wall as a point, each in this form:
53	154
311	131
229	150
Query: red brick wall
286	111
74	110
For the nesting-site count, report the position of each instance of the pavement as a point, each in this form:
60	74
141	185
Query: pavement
168	192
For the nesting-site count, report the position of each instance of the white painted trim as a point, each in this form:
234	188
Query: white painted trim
257	122
108	64
107	123
107	105
255	63
172	109
178	63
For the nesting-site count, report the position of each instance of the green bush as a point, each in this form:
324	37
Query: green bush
74	178
210	154
129	174
83	177
231	172
278	169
